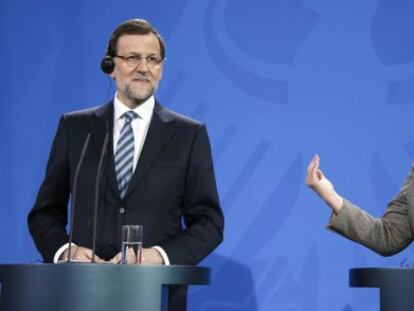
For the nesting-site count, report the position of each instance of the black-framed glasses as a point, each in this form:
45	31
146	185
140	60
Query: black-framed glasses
134	59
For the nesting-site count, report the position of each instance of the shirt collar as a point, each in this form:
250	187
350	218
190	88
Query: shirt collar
144	111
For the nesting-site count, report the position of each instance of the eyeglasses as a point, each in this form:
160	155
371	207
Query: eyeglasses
135	59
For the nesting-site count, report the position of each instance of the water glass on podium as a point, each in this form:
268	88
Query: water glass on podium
131	244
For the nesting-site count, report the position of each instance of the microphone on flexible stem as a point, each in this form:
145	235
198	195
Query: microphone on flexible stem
75	184
98	175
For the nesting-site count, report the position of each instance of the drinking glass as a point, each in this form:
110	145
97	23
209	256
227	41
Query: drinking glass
132	244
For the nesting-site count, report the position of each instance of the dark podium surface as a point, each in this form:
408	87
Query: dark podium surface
396	286
100	287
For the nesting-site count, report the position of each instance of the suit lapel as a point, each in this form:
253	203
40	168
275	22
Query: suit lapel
159	132
102	123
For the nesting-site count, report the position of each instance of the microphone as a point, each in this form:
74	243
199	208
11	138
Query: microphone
75	184
98	175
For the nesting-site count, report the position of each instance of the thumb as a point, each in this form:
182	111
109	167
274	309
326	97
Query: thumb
319	174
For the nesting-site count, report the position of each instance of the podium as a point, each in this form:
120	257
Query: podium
103	287
395	285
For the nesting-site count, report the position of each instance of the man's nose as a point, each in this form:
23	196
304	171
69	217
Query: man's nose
142	65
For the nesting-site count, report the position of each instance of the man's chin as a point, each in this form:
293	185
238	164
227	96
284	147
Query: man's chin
140	98
141	93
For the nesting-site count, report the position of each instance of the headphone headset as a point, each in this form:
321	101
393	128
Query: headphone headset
107	64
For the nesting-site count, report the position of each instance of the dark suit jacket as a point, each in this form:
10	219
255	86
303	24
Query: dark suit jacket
172	192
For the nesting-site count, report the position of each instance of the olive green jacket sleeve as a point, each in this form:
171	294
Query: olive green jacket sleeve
386	235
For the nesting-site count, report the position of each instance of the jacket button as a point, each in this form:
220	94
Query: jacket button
122	210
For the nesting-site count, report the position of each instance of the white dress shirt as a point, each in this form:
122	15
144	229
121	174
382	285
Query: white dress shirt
140	126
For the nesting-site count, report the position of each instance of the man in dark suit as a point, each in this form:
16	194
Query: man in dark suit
158	170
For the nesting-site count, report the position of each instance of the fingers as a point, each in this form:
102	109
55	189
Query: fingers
131	258
117	258
97	259
84	254
316	166
316	180
312	173
151	256
319	174
148	256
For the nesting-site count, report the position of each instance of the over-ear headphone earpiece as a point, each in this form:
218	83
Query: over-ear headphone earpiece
107	64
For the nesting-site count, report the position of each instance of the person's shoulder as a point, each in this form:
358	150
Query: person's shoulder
168	114
87	112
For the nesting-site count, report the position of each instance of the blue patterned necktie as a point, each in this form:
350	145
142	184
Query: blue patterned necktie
124	156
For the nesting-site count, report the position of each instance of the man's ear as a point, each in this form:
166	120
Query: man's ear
112	74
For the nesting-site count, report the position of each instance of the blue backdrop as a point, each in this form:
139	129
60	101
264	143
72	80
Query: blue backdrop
276	81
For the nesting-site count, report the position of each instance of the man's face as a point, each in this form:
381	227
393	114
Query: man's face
136	84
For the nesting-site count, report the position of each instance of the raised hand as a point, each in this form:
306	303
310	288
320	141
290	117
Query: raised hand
316	180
